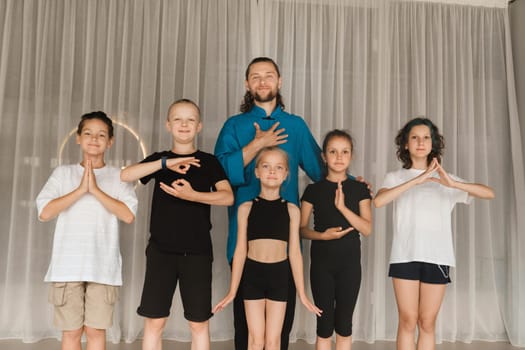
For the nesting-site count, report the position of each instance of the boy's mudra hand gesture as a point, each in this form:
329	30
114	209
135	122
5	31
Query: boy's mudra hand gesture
182	165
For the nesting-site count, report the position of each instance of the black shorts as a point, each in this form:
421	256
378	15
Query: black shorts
265	280
163	270
421	271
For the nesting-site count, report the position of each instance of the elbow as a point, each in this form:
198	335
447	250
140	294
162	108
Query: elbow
128	218
301	232
229	199
378	203
226	198
487	194
45	216
124	177
367	231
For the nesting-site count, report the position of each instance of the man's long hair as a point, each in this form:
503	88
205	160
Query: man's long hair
248	100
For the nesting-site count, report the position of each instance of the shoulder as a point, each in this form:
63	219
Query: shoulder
294	212
319	184
209	160
112	169
314	188
293	209
108	172
205	155
244	208
240	118
398	174
292	118
65	169
353	183
156	155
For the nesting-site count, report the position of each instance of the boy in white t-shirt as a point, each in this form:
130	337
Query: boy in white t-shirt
422	251
85	269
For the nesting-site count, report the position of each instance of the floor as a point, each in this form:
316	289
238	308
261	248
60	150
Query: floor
51	344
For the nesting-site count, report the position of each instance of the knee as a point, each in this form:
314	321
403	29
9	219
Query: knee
408	322
199	327
154	325
273	343
426	324
73	336
256	340
95	334
256	343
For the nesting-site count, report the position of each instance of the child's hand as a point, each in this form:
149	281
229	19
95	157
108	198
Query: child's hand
84	183
92	180
182	165
339	197
309	305
428	175
223	303
179	188
443	178
336	232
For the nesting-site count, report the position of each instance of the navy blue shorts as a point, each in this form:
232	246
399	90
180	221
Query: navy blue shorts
163	271
421	271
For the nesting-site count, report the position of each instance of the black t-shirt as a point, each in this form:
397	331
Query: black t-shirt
177	225
322	196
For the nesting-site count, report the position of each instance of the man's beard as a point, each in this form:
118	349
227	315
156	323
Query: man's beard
269	97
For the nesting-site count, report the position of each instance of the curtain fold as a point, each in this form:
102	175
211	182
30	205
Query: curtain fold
364	66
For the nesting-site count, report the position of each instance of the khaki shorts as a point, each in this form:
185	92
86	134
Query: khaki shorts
83	303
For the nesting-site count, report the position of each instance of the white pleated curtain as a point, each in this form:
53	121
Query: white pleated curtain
364	66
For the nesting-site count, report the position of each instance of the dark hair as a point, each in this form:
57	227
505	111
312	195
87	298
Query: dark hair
248	99
181	101
438	142
337	133
96	115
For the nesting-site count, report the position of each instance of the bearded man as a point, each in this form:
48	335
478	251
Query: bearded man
263	123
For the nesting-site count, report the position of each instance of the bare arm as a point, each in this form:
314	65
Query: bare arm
476	190
137	171
361	222
88	184
114	206
58	205
387	195
308	233
296	259
239	256
182	189
473	189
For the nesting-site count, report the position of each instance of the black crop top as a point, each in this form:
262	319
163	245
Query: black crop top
269	220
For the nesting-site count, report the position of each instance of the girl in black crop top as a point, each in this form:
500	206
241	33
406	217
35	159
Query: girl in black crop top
269	219
268	234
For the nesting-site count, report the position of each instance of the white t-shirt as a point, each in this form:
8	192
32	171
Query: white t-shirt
86	241
422	219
